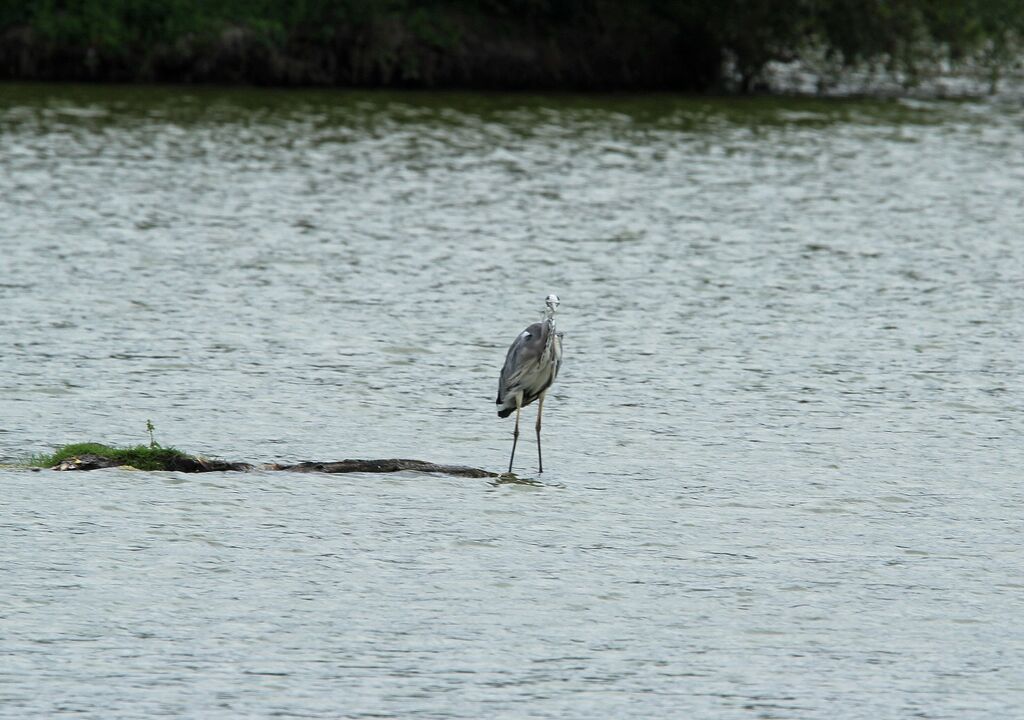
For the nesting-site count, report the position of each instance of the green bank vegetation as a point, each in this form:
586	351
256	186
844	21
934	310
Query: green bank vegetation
577	44
141	457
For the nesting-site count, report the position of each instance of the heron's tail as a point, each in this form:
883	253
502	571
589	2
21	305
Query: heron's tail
503	410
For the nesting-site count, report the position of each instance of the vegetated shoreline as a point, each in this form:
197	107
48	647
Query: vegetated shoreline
719	46
384	55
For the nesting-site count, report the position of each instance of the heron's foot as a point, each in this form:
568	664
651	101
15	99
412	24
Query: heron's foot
509	478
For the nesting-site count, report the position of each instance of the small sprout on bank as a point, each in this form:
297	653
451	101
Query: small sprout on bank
152	441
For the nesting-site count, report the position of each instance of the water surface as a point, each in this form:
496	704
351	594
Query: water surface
782	459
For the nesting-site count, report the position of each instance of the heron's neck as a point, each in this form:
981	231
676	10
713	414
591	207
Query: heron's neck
549	320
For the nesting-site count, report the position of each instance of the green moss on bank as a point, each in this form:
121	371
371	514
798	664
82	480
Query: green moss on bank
142	457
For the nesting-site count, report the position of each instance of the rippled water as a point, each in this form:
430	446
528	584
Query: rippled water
783	459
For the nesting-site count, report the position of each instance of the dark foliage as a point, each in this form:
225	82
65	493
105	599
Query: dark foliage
581	44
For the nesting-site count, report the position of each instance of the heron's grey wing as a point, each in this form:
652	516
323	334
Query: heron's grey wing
504	381
523	353
529	347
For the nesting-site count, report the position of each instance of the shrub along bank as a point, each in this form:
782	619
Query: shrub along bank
490	44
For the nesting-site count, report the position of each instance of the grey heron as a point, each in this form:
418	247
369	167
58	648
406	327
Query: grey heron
531	365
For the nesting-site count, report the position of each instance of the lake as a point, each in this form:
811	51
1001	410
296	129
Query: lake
783	458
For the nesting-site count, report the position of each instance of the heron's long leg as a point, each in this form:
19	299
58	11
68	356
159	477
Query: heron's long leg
515	435
540	409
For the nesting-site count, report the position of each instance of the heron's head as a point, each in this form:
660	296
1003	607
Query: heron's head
552	302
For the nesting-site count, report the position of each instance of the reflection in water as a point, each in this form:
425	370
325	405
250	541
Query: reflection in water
782	469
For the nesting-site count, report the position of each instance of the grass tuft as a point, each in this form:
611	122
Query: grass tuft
141	457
